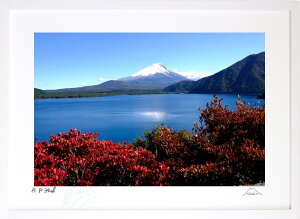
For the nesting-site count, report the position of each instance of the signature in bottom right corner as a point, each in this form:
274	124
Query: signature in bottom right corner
252	191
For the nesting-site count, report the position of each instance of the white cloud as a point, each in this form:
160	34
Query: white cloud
102	79
83	84
193	75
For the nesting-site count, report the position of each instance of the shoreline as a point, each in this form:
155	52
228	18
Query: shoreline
70	95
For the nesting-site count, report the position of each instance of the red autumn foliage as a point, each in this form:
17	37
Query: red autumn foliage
75	159
223	125
229	149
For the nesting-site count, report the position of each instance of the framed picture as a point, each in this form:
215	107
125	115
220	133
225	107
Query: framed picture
136	73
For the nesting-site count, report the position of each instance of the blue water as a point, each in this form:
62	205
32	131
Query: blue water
122	118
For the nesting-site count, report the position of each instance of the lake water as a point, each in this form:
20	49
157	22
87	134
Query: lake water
122	118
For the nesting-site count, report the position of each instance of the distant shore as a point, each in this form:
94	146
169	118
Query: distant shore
84	94
92	94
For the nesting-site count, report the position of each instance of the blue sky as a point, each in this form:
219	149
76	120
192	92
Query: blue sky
63	60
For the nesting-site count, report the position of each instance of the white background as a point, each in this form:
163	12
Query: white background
275	24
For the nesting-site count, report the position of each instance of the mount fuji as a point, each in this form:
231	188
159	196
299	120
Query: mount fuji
154	77
244	76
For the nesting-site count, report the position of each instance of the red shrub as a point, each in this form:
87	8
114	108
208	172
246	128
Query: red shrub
224	125
237	137
80	159
229	149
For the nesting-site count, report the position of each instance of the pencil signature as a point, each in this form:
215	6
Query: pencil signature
252	191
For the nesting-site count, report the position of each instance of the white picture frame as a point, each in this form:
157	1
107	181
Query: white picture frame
11	193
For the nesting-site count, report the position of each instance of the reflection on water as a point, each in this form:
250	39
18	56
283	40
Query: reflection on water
154	116
123	118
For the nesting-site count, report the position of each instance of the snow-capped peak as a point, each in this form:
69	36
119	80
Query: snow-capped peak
152	69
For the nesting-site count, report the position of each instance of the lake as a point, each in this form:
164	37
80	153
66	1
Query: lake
123	118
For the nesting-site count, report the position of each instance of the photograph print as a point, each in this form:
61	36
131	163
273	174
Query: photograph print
149	109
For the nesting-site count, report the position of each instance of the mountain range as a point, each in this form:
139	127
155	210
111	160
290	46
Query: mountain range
153	77
244	76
